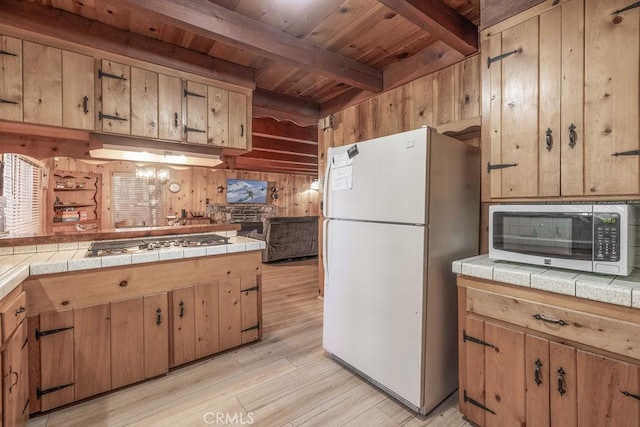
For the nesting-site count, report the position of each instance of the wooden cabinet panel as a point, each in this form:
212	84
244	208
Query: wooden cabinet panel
238	120
218	120
15	380
170	108
127	342
230	314
250	326
156	335
116	98
473	371
144	103
206	318
537	381
183	326
602	382
196	101
13	314
11	79
42	84
92	350
56	359
492	80
78	91
611	97
564	386
504	376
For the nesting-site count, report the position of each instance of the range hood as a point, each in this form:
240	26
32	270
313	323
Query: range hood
115	147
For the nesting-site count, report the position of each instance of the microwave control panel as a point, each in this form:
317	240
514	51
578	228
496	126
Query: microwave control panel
606	228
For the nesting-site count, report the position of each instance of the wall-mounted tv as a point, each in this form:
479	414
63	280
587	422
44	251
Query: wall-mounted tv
246	191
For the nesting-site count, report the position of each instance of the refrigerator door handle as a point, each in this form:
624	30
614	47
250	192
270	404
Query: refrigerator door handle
325	185
325	261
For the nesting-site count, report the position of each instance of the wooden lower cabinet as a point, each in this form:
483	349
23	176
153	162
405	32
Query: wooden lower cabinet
183	336
156	335
15	379
511	375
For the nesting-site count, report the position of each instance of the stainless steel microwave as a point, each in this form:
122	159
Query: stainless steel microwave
597	238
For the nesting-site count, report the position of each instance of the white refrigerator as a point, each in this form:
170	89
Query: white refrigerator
398	210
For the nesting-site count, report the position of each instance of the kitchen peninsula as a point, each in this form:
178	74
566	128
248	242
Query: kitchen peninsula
97	323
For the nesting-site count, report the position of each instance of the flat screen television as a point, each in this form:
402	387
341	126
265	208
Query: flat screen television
246	191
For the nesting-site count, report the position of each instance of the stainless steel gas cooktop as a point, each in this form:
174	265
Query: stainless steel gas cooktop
120	247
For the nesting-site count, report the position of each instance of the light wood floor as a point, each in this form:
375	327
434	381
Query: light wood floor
284	380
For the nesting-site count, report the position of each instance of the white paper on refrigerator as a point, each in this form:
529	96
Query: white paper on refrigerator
342	178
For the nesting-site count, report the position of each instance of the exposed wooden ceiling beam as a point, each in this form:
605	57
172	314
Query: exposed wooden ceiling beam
440	20
260	142
283	107
273	166
283	130
310	161
216	22
60	25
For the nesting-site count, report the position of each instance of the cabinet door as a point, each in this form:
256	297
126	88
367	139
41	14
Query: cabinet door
196	127
602	383
183	326
473	374
127	343
207	323
42	80
78	91
537	381
612	46
56	359
249	306
238	120
11	79
15	390
514	110
563	390
218	120
170	108
116	99
92	350
230	314
504	376
156	335
144	103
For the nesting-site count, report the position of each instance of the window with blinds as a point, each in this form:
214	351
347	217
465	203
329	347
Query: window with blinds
21	188
137	199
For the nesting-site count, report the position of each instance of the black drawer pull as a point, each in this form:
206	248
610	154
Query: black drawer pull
537	372
158	316
20	310
181	309
85	105
561	389
544	319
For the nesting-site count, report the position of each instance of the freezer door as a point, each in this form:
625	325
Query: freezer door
373	302
385	181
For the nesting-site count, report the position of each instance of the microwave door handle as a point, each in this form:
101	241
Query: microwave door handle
325	259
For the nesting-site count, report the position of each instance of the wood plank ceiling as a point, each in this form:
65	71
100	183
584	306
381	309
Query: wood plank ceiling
309	58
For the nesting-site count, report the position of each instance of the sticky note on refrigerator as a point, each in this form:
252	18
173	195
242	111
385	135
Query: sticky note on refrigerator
341	160
342	178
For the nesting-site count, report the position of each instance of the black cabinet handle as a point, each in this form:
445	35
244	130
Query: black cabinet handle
123	284
181	309
537	372
549	139
20	310
175	120
544	319
573	136
85	105
11	371
158	316
241	131
561	374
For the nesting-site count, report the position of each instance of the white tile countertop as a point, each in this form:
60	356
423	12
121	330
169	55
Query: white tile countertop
19	262
619	290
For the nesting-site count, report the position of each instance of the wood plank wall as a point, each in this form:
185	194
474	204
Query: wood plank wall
446	96
198	184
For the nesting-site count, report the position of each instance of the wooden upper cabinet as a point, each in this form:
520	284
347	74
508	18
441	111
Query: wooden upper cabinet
170	124
611	95
144	103
195	129
42	84
10	78
115	114
238	120
78	91
218	116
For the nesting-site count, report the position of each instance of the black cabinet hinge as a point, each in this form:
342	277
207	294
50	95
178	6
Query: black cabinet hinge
197	95
4	52
500	57
102	74
6	101
50	332
40	393
110	117
475	340
624	9
627	153
188	129
491	167
635	396
257	326
255	288
467	399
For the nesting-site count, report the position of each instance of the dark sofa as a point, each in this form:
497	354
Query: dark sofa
289	237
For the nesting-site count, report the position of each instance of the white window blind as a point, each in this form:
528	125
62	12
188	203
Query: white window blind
137	199
22	190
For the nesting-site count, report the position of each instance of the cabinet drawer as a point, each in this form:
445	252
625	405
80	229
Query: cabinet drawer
13	314
602	332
